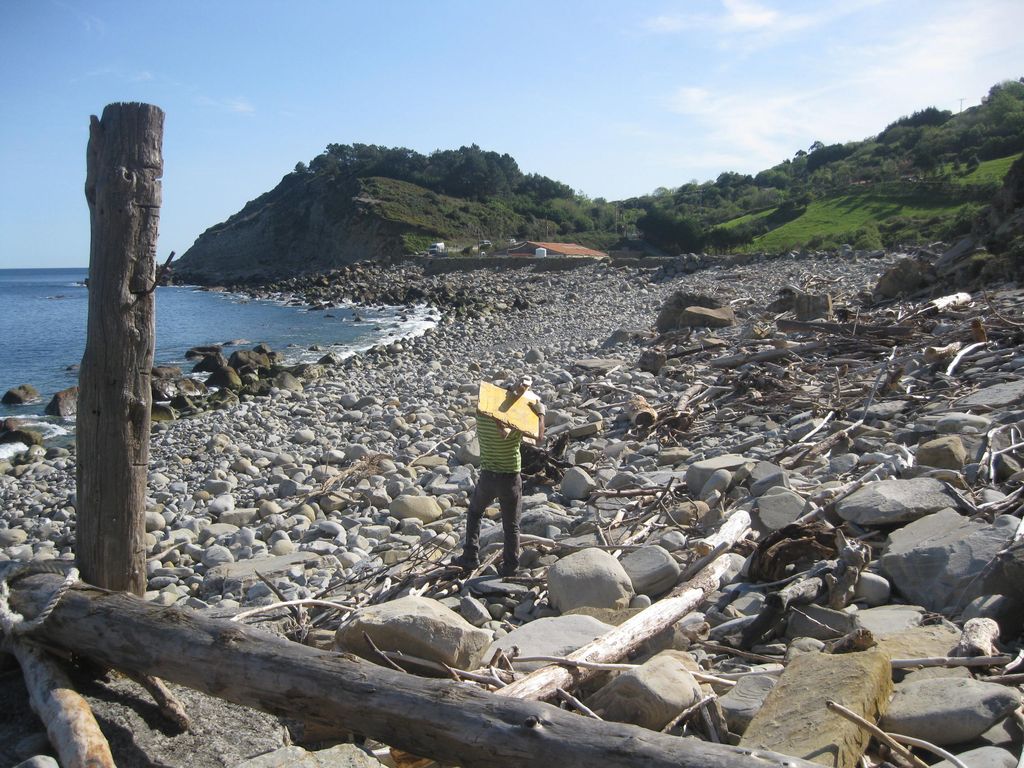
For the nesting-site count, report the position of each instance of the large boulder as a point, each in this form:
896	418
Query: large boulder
686	310
165	388
64	403
652	570
550	636
208	361
588	578
19	395
650	695
942	561
21	435
948	710
794	719
249	361
418	626
423	508
699	472
998	396
225	377
905	276
577	484
887	502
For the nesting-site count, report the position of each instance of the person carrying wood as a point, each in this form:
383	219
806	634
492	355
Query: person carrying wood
500	478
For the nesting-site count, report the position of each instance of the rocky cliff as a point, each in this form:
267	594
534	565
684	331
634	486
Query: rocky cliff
307	223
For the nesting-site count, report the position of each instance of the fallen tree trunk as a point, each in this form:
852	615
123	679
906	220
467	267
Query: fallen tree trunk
69	721
440	719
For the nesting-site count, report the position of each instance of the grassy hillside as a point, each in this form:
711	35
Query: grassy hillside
987	172
429	216
898	212
919	179
748	218
838	219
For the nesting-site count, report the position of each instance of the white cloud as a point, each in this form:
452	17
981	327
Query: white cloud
90	23
744	25
744	14
858	88
238	104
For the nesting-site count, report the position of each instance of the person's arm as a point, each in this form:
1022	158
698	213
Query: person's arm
540	410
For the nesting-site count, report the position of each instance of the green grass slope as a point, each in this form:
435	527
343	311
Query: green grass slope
838	218
898	211
427	216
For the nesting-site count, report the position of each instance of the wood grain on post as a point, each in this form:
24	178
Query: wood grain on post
122	187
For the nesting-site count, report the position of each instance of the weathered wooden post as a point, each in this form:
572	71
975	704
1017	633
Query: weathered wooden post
122	187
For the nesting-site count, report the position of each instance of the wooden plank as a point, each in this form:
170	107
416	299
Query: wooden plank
506	408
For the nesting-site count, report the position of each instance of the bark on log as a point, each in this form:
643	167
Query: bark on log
436	718
641	414
735	361
122	186
69	721
978	639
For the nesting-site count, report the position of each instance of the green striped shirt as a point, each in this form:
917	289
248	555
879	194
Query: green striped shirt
496	453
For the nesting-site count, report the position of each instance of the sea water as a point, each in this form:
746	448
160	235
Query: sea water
44	312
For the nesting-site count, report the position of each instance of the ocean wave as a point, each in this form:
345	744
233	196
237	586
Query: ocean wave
49	429
10	450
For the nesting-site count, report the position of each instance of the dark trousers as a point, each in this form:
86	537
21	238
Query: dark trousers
507	487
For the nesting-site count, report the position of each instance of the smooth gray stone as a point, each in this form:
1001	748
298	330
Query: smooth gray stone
340	756
842	463
473	611
959	422
698	473
941	561
819	622
590	578
719	482
651	569
983	757
887	502
649	695
744	699
872	589
997	397
538	520
948	711
577	484
766	475
890	619
39	761
551	636
779	507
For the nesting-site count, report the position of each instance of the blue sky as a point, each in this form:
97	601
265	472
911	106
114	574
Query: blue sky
614	99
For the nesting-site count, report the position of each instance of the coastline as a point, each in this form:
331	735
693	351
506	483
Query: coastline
367	470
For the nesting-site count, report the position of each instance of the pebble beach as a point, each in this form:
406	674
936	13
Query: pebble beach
365	467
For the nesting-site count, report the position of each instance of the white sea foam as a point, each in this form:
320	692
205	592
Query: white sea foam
48	429
9	450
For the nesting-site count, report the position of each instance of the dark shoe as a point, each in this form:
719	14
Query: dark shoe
509	569
465	563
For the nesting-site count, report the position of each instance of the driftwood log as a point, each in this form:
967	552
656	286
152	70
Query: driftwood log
641	413
621	641
69	721
122	187
440	719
